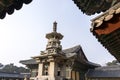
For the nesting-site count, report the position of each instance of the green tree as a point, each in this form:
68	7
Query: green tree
14	69
114	62
1	65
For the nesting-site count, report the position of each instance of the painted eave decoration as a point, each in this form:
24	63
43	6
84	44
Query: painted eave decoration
91	7
8	6
106	28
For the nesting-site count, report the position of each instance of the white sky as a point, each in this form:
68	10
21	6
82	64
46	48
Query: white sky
22	34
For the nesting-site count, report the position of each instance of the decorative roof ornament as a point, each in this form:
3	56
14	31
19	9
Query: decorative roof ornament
55	26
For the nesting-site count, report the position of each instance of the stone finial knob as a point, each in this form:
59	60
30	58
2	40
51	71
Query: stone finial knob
55	26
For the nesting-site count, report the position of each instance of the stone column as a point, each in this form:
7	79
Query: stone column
40	69
24	78
52	71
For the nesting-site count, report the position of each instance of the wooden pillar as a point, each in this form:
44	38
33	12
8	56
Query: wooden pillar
73	75
77	76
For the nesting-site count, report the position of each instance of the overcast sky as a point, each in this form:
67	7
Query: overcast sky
22	34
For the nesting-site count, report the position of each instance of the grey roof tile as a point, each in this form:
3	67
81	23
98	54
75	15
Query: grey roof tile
72	50
29	61
109	71
13	75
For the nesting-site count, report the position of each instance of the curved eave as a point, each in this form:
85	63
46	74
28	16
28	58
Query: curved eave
8	6
29	62
111	42
91	7
106	28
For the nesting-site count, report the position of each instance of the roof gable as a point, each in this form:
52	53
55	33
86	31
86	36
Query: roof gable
75	51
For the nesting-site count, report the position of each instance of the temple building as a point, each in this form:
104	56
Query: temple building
55	63
104	73
14	76
33	66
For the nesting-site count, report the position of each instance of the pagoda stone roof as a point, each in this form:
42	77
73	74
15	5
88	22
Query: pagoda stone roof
8	6
104	72
91	7
110	39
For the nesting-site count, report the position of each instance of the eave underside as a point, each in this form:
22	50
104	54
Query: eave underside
111	42
91	7
108	31
8	6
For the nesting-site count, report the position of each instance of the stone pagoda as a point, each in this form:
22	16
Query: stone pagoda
49	59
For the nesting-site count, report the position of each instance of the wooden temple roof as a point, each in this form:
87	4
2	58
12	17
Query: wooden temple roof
73	51
28	62
77	54
104	72
90	7
7	75
106	28
8	6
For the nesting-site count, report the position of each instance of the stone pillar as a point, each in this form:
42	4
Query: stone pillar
24	78
52	71
40	69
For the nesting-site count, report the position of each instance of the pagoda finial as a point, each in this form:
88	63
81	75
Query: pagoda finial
55	26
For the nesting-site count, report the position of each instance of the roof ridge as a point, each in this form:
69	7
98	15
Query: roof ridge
72	47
